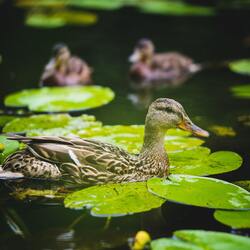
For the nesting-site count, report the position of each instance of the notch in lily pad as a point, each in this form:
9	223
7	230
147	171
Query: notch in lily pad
60	99
200	191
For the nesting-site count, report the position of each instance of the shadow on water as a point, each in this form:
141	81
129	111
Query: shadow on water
106	46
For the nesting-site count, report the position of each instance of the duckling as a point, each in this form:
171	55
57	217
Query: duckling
151	66
65	70
88	162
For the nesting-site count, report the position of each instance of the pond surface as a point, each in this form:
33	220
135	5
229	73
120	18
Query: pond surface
106	46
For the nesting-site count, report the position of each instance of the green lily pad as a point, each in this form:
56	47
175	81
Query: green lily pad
56	125
178	8
200	191
8	147
241	66
244	184
222	130
173	244
130	138
234	219
200	162
214	240
60	99
55	18
4	119
114	199
241	91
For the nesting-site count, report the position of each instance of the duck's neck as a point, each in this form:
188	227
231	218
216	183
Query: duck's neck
153	147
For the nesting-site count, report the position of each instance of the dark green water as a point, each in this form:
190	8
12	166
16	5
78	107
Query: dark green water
106	46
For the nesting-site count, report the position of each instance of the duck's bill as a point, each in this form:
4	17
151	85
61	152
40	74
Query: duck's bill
135	57
195	130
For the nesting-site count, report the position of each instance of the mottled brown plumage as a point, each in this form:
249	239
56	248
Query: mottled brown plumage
83	161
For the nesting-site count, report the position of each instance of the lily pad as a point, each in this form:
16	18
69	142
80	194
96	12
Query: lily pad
214	240
114	199
200	162
173	244
54	18
178	8
4	119
200	191
241	91
56	125
130	138
222	130
60	99
7	147
244	184
234	219
241	66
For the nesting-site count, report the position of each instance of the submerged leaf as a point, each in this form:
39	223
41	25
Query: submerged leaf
56	125
241	91
55	18
200	191
114	199
240	66
234	219
60	99
222	130
8	147
214	240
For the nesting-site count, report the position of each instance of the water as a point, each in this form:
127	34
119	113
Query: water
106	46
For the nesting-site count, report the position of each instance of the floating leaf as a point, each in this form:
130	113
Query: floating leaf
214	240
244	184
4	119
8	147
200	162
234	219
241	91
245	120
56	125
60	99
178	8
240	66
130	138
114	199
222	130
173	244
200	191
24	193
54	18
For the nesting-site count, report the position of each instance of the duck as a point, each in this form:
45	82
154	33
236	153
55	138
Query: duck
64	69
150	66
80	161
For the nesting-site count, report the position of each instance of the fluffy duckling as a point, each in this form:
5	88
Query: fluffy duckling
150	66
63	69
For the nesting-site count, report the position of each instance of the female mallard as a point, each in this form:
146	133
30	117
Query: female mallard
150	66
65	70
83	161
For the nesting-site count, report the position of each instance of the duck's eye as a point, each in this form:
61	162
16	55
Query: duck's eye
166	109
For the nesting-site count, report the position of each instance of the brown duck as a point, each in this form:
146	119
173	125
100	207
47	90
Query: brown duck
63	69
82	161
150	66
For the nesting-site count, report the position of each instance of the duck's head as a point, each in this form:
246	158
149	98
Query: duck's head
61	52
143	51
165	113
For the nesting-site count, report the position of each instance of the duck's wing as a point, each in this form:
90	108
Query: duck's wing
81	152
